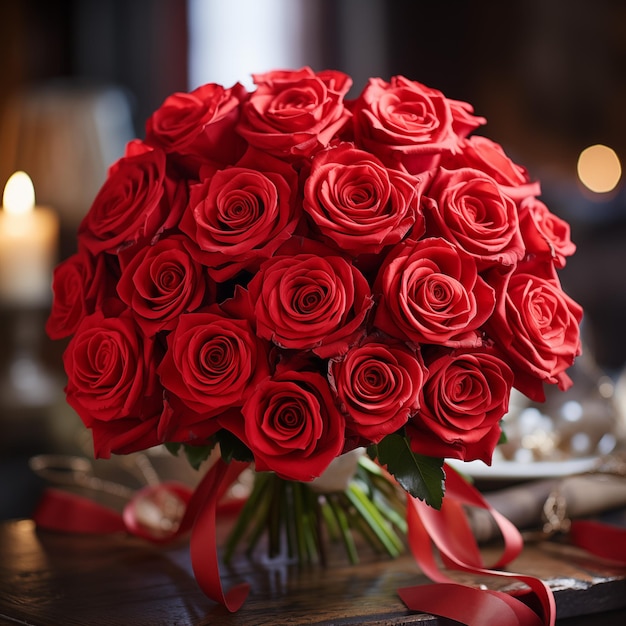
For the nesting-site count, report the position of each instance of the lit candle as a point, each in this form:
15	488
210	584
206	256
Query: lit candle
28	245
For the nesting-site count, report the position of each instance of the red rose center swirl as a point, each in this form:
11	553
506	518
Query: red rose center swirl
242	209
467	391
289	420
307	299
107	362
249	198
413	116
373	380
436	294
168	278
216	357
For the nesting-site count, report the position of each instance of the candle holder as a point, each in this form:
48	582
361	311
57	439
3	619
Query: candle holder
30	390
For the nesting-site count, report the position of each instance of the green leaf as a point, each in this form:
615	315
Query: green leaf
503	437
173	447
197	454
421	476
232	448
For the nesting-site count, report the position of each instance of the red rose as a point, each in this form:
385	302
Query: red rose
212	362
468	208
404	123
80	283
358	203
484	154
537	325
430	292
109	369
378	385
295	113
291	425
465	396
310	302
199	126
463	119
240	216
135	203
161	282
544	233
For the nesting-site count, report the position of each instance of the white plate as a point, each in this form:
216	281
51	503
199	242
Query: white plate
510	470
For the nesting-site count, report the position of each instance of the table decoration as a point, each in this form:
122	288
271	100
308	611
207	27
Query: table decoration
287	276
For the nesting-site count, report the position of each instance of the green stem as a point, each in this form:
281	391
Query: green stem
247	514
299	516
317	522
300	521
359	523
309	525
379	525
388	510
344	527
330	520
262	522
275	518
290	520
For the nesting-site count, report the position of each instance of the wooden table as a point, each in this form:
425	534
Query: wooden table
60	579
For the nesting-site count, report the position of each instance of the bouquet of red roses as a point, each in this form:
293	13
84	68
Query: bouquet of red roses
293	275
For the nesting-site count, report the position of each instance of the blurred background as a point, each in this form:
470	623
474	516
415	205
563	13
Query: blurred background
78	79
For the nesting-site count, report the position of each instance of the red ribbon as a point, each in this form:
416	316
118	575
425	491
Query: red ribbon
68	512
448	529
201	516
603	540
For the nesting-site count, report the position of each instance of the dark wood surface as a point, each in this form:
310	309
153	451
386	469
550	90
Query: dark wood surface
57	579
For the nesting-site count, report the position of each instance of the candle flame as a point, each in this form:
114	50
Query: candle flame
19	194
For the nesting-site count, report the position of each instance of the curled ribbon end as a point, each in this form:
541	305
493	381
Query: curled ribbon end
473	607
235	597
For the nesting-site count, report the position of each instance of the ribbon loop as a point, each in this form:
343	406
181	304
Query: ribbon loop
449	531
158	513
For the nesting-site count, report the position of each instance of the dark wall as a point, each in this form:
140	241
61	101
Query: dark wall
139	45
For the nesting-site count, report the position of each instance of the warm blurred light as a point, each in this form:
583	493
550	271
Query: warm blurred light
599	168
19	194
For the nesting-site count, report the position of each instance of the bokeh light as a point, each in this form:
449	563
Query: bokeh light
599	168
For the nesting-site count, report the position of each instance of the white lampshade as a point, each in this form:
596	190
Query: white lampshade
65	135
